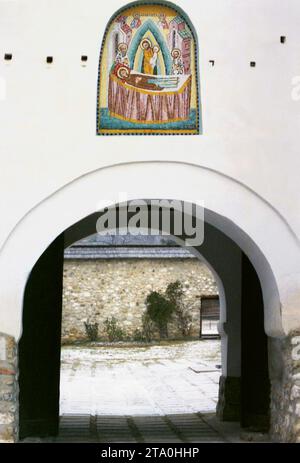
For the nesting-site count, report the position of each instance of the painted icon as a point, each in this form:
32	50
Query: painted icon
148	82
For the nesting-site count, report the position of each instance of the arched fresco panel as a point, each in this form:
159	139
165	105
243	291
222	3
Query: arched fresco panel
148	73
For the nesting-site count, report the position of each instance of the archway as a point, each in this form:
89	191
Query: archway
244	387
81	197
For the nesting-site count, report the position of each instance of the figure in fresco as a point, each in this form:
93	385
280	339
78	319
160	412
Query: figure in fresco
122	56
136	80
163	23
154	58
177	65
147	48
121	20
136	22
141	81
121	71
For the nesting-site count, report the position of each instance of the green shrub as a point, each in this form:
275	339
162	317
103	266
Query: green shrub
138	336
174	293
162	308
91	330
148	327
113	331
160	311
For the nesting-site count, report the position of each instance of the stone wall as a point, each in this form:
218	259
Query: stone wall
8	390
99	289
229	401
284	359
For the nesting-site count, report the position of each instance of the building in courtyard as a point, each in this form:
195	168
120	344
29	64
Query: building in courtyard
107	278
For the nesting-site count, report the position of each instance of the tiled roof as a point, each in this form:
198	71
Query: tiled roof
178	19
127	247
126	240
185	34
129	252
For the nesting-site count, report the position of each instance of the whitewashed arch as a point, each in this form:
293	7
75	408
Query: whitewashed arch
230	206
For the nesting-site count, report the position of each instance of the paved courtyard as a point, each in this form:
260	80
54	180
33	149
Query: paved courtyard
159	393
172	379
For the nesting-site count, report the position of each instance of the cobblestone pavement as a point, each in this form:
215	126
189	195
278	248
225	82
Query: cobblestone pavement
133	429
172	379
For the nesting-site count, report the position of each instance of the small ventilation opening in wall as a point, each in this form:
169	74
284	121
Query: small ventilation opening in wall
8	56
84	58
49	59
212	62
252	64
283	39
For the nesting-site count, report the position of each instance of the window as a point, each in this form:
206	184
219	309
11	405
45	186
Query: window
209	316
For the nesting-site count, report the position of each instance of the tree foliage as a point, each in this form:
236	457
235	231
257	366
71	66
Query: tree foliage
162	308
174	293
160	311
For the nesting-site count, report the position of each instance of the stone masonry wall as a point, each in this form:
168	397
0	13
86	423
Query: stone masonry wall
8	390
99	289
284	356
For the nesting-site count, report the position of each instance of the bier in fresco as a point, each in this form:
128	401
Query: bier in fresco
148	74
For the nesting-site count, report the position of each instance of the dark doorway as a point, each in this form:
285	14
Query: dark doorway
255	384
39	347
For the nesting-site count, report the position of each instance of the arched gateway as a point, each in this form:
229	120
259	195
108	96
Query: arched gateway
230	252
242	164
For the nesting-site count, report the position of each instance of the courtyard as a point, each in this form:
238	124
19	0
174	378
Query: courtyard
164	392
130	393
163	379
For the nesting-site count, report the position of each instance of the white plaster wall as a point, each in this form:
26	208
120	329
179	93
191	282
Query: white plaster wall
248	153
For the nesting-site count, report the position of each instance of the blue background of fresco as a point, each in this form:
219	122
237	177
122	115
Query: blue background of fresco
108	122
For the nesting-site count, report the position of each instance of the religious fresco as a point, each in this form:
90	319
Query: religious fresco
148	73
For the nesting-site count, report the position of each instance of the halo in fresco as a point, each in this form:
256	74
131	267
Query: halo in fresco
148	76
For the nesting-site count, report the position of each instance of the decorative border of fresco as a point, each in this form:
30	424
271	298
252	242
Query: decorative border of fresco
145	131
